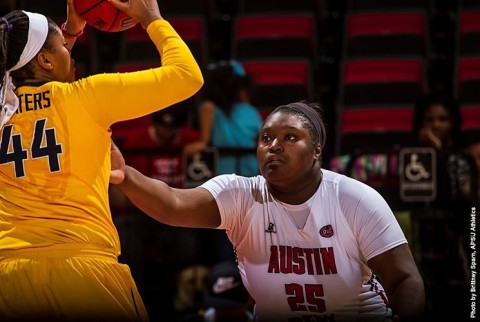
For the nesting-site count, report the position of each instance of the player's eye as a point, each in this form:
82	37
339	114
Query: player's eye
266	137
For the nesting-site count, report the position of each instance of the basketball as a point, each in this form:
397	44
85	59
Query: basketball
101	15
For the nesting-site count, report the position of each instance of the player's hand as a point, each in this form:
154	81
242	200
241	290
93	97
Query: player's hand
75	23
117	173
143	11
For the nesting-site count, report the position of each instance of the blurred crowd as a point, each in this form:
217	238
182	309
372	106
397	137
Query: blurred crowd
176	269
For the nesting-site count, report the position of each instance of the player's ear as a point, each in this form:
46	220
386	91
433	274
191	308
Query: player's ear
44	61
318	152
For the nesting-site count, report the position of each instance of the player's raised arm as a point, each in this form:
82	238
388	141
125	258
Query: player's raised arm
73	26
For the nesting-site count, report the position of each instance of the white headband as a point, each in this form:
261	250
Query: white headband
37	34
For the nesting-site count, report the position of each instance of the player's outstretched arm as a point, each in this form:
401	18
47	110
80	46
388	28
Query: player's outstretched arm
177	207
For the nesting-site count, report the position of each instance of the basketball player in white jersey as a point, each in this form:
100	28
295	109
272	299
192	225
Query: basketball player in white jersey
310	243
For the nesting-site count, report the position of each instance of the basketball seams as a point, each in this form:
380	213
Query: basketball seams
90	8
117	14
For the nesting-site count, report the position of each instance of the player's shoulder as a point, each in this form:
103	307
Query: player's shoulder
337	179
240	181
235	185
344	185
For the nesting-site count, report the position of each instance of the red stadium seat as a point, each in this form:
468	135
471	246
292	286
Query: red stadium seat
467	56
383	5
379	119
386	34
192	29
469	32
136	44
376	129
275	36
382	81
468	80
275	6
278	82
471	121
375	94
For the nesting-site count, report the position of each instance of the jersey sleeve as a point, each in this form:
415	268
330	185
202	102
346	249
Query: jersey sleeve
370	218
227	191
113	97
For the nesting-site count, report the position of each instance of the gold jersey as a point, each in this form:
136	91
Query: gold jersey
55	150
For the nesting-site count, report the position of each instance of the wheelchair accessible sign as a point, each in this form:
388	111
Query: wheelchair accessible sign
200	168
418	180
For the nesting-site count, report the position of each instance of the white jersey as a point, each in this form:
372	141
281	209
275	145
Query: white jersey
317	272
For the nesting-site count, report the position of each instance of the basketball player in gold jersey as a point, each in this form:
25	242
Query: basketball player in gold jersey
58	244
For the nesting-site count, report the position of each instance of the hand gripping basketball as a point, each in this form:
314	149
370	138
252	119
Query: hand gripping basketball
102	15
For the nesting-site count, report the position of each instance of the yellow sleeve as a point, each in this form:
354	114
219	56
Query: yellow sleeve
113	97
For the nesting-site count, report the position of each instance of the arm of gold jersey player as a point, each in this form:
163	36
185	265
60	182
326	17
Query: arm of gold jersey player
114	97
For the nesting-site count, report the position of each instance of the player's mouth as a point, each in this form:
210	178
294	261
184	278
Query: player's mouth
275	160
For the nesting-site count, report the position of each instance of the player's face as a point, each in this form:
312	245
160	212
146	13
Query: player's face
61	64
285	152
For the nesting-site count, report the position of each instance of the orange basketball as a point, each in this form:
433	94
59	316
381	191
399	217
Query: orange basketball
101	15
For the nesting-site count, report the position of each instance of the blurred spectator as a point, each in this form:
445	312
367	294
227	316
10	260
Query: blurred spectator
191	288
158	150
443	222
227	300
473	150
223	298
227	120
437	124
